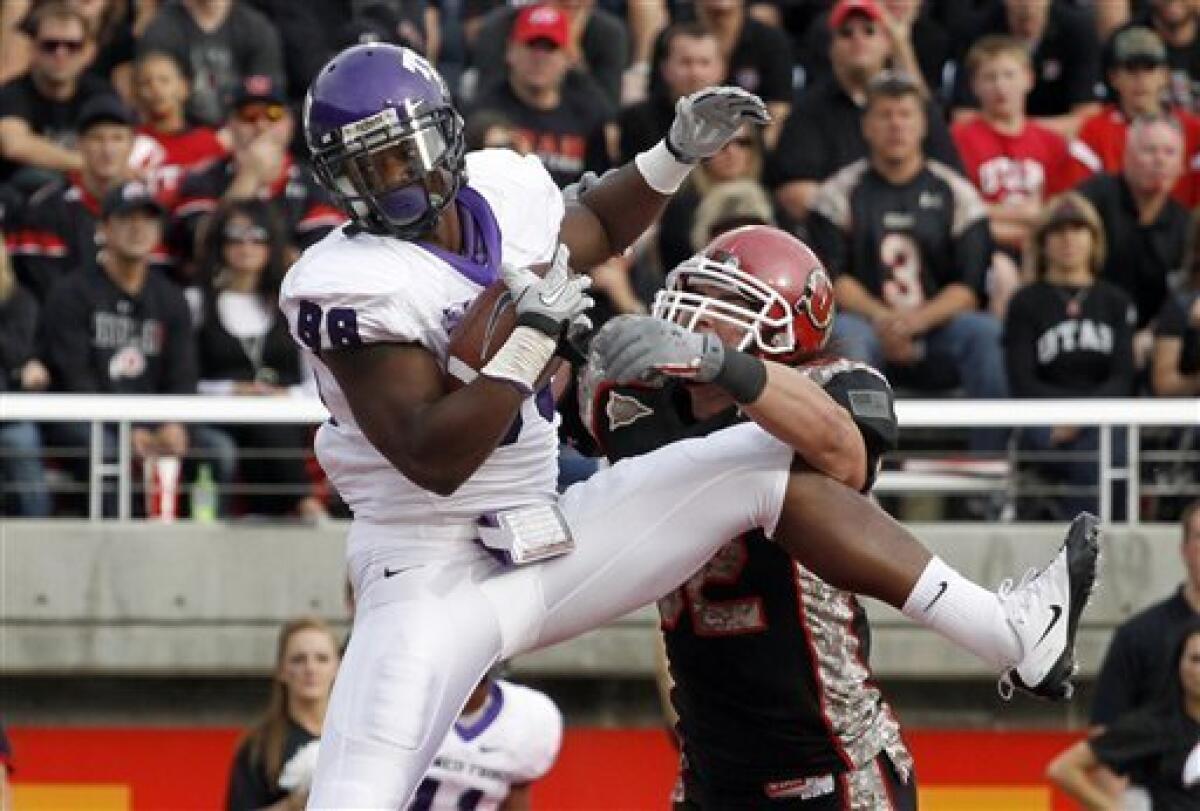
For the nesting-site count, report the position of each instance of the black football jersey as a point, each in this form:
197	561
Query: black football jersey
904	243
770	664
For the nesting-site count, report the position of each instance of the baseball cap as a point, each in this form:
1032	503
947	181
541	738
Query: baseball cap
845	8
132	195
258	88
1138	44
103	109
541	22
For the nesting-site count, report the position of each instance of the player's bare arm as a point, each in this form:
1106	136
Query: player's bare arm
783	400
794	409
609	215
437	440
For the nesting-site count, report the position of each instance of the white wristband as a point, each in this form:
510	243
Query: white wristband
522	358
661	171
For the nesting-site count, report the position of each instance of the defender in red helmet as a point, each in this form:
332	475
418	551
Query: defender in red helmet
776	704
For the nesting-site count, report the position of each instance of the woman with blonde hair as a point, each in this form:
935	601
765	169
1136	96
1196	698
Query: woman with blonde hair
1069	334
274	763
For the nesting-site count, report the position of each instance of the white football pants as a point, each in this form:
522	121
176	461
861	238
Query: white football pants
426	634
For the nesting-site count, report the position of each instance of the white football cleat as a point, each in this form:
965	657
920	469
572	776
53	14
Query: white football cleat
1044	611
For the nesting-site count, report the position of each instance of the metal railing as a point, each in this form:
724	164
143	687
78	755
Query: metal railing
1105	414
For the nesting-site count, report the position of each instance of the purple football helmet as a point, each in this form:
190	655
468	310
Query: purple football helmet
385	138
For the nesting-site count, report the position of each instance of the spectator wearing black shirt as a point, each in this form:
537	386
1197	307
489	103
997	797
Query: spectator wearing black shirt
1069	334
561	121
1146	230
22	477
1156	746
1137	664
274	763
38	111
691	61
825	132
57	233
259	168
907	242
1066	59
597	48
122	328
222	42
244	349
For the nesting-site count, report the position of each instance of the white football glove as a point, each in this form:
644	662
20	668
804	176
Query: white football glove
553	303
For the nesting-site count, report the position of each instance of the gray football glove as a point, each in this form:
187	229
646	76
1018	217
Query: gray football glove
553	303
644	349
708	119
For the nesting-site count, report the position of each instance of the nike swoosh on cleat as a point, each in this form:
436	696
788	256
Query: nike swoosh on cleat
942	586
393	572
1057	609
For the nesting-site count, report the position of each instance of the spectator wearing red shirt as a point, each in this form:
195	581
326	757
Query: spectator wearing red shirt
1140	76
568	128
1016	163
169	145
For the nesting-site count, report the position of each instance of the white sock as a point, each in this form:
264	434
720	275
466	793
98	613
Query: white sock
967	614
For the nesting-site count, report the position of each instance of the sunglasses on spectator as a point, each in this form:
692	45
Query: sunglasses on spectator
247	233
867	29
50	46
251	113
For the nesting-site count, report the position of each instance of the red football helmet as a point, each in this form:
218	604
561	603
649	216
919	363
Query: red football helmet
771	285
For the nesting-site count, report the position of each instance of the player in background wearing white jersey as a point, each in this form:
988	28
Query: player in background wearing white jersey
507	737
446	484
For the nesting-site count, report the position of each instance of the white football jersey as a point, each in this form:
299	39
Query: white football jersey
514	741
365	288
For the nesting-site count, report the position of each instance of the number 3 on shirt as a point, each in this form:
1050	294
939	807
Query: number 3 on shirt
341	323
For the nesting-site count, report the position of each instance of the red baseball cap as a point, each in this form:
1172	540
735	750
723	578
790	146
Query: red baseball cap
542	22
845	8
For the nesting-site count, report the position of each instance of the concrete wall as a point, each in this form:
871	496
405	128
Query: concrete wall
146	599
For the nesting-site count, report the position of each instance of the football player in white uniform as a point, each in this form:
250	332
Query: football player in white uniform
506	738
460	552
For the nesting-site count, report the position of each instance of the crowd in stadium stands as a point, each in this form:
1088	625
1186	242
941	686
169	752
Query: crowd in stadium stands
916	144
